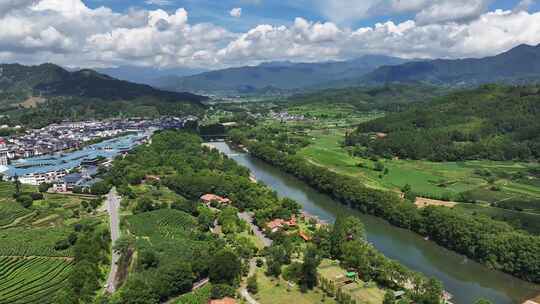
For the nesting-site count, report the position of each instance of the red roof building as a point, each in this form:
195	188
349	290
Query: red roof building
209	198
277	224
223	301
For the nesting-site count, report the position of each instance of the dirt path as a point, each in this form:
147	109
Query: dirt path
113	204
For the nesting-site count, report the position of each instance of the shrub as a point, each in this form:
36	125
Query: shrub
25	200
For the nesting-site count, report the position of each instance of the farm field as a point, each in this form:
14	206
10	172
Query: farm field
430	178
32	280
35	255
447	181
170	232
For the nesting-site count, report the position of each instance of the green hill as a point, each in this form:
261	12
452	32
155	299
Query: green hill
37	95
491	122
392	97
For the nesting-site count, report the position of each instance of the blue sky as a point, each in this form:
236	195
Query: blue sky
207	34
276	12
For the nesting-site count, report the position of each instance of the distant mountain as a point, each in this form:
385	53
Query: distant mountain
518	65
49	80
275	75
146	75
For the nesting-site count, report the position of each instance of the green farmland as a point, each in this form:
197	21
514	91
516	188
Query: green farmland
35	256
444	180
31	280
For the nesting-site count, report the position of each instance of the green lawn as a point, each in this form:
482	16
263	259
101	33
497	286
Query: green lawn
362	292
274	291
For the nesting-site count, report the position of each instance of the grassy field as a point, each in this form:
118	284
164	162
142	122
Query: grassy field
360	291
274	291
435	179
31	280
448	180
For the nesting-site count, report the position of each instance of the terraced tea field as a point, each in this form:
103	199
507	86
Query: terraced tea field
32	280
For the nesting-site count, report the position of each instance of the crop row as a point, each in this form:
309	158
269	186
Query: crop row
31	280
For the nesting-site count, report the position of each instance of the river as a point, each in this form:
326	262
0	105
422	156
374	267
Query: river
466	280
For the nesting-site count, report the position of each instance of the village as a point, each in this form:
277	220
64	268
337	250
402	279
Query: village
68	155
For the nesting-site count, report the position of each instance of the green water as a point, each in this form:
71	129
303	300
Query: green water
466	280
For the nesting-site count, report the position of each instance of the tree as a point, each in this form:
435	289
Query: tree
44	187
252	285
220	291
148	259
225	267
25	200
389	298
312	260
144	204
345	229
17	185
137	291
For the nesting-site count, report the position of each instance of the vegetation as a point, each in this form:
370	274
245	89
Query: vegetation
518	65
32	280
493	243
81	95
391	97
492	122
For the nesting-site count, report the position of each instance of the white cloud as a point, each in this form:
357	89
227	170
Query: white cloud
426	11
67	32
236	12
524	5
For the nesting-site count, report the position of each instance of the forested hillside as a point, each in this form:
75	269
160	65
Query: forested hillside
519	65
390	97
47	93
491	122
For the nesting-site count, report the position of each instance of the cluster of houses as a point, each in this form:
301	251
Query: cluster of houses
286	116
72	135
273	226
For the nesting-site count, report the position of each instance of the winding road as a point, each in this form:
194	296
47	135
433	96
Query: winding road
113	205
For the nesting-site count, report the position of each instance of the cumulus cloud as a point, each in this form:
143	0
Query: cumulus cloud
67	32
236	12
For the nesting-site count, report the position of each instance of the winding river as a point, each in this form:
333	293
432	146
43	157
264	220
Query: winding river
466	280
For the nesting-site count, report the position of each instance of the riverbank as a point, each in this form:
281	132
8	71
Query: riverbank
464	278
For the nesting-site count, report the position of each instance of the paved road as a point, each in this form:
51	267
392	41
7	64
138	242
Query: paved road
113	204
249	218
243	291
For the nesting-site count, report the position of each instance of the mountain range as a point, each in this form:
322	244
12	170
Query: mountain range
518	65
274	76
48	80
